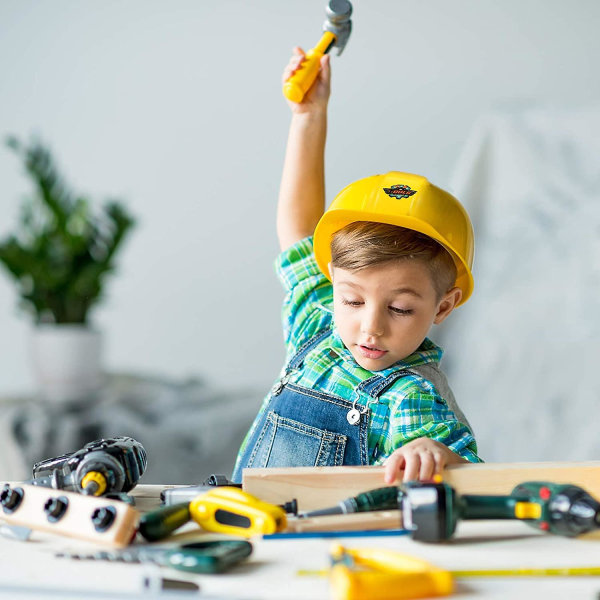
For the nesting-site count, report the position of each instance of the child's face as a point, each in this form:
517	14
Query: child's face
383	313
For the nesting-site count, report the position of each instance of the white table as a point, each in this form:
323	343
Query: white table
271	571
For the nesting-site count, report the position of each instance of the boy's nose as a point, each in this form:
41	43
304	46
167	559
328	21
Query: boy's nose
372	324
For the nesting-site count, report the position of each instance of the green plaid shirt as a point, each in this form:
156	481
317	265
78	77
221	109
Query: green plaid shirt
407	410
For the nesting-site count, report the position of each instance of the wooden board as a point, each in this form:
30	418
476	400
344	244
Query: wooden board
147	496
319	487
378	519
76	521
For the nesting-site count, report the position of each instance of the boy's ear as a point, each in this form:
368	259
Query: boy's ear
330	269
447	304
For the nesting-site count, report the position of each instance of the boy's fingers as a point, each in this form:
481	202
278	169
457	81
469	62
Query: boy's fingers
392	467
440	462
428	465
292	66
411	467
287	73
325	72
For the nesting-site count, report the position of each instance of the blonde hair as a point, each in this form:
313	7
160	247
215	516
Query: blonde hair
365	244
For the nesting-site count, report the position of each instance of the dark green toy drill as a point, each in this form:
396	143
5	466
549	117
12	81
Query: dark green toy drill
431	510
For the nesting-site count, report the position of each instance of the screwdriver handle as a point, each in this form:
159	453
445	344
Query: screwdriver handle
160	523
385	498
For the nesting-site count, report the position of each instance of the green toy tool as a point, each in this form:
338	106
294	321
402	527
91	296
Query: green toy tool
431	510
385	498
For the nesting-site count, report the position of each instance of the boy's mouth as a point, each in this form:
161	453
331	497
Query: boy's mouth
370	351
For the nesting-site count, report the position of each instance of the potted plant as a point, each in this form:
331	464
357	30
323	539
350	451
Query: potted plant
59	258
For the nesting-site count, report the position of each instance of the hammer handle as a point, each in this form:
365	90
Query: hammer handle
300	82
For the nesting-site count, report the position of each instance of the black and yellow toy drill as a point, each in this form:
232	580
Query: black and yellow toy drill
100	468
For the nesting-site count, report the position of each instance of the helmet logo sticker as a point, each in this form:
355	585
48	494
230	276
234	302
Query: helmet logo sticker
399	191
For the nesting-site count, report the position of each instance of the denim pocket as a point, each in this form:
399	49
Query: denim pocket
284	442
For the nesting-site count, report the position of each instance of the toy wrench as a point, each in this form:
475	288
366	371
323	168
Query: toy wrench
199	557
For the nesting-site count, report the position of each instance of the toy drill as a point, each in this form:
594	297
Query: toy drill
102	467
336	31
431	510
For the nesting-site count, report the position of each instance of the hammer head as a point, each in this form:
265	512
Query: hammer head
338	22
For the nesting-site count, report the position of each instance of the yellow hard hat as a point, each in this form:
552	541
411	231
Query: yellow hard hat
409	201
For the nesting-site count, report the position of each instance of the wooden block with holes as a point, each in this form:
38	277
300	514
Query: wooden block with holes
319	487
108	522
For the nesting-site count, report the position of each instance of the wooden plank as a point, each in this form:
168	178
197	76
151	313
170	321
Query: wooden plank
319	487
378	519
147	496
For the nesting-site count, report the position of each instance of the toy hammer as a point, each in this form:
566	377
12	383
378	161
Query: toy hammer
336	31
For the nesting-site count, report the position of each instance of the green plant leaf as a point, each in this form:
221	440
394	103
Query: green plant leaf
62	251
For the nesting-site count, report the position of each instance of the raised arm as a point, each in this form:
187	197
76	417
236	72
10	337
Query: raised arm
302	190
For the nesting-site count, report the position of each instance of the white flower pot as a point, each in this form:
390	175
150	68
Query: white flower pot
66	361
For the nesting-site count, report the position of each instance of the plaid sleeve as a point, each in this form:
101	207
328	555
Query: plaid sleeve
419	415
309	295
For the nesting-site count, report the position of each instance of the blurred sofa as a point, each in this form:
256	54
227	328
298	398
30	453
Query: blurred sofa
189	430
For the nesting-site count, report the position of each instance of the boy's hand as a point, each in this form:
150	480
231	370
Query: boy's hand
421	459
318	94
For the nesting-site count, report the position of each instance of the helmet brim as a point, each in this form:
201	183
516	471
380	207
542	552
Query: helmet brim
335	219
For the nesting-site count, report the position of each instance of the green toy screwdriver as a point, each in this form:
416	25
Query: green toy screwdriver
385	498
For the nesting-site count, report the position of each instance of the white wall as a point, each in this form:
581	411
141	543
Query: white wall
176	107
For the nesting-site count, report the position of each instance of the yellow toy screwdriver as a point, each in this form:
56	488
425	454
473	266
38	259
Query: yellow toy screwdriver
223	509
336	31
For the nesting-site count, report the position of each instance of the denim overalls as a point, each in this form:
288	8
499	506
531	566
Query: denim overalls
302	427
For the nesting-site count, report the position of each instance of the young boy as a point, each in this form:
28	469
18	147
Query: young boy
390	258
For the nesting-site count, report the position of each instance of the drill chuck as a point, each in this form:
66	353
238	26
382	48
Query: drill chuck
568	509
93	483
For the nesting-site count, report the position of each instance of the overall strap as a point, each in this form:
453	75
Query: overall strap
373	386
376	385
298	358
